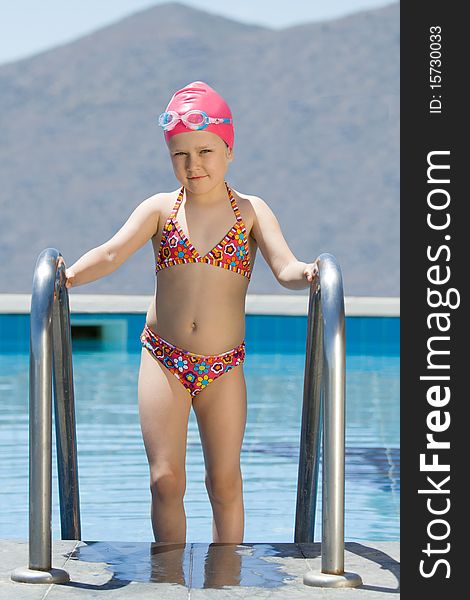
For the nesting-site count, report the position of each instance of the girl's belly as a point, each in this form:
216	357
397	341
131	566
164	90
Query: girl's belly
199	307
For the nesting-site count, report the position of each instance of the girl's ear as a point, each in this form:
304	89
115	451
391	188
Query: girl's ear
229	153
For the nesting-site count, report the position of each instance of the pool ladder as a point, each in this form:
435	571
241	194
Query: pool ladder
324	409
51	362
50	355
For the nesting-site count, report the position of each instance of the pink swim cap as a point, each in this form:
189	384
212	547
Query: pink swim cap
199	95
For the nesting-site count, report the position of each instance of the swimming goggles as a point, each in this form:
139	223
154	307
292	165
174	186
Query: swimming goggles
193	119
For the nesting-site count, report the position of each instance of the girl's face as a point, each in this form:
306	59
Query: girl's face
200	159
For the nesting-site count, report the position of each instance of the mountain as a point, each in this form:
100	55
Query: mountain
316	114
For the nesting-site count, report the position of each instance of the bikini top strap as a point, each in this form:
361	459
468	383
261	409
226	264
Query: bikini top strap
236	210
177	204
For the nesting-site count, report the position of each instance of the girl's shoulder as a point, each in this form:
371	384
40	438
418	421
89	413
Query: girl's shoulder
253	205
249	202
254	210
162	201
262	218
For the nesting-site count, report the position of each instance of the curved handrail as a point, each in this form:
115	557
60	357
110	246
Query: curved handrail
324	404
50	363
307	480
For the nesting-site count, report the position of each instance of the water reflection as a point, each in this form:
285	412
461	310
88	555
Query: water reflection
167	563
193	565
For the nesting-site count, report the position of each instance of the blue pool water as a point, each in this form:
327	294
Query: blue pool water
113	470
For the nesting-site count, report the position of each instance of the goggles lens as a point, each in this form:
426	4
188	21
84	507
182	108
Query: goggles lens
165	119
194	118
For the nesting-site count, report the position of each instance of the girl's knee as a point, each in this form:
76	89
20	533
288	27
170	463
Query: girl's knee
224	488
168	484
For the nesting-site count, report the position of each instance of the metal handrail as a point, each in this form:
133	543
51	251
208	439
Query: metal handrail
50	362
324	404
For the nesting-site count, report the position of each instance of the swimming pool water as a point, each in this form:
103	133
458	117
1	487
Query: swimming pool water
113	470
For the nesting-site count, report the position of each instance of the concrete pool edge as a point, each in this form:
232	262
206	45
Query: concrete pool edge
108	566
271	304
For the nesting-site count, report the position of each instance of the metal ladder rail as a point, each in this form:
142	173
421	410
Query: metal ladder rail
324	409
50	362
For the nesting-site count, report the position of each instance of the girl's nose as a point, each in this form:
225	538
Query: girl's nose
192	162
193	157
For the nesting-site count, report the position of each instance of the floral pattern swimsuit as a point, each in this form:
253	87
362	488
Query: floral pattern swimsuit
196	371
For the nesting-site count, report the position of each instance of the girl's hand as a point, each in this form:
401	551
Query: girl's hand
311	271
69	277
69	274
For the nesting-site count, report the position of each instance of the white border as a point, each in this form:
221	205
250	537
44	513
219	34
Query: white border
256	304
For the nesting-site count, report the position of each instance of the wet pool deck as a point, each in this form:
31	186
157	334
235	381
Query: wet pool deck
197	571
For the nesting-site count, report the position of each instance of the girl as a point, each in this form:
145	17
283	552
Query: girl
205	236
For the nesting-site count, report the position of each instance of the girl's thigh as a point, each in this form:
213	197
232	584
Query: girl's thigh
221	415
164	406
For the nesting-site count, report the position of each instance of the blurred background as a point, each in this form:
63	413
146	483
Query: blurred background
314	92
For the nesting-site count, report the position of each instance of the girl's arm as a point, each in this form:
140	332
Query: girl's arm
289	272
103	260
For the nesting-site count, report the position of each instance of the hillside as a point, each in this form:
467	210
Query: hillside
316	113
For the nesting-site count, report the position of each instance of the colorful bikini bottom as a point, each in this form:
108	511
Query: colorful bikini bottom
195	371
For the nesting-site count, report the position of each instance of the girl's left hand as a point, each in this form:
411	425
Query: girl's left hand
311	271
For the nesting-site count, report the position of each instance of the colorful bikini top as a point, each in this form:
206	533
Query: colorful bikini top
231	253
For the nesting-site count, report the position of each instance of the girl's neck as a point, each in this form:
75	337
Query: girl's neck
214	196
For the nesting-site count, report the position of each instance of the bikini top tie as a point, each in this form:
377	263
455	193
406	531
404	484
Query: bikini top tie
231	253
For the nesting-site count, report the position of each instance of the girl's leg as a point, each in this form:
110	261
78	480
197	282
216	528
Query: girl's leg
164	406
221	415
